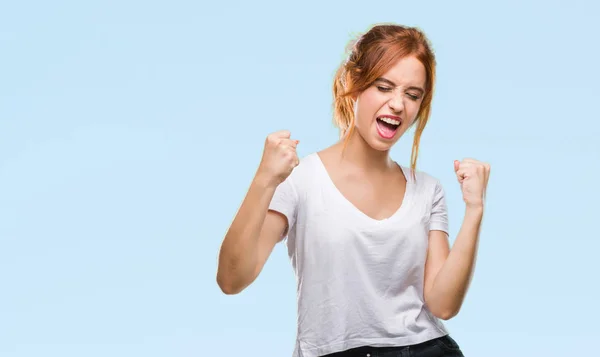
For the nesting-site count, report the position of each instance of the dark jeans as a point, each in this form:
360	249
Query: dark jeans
444	346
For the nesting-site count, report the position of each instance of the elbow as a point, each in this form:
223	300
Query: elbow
233	279
444	314
228	285
229	290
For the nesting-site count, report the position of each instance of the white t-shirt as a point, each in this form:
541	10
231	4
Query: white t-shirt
359	280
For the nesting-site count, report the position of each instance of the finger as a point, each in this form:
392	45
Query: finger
289	142
293	156
469	166
282	134
487	173
274	138
289	152
471	160
477	163
462	166
465	172
460	174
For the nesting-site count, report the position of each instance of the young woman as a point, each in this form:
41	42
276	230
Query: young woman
367	237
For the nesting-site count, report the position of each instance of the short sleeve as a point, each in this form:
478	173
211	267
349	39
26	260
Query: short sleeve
285	201
439	210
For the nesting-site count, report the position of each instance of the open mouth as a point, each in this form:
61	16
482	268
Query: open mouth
387	126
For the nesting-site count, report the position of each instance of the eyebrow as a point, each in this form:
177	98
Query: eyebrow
381	79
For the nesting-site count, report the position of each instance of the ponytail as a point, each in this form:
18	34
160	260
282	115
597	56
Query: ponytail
343	105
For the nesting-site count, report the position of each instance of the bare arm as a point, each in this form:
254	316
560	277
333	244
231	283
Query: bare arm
255	230
448	272
250	239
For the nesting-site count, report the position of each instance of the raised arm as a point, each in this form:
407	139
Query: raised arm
255	230
448	273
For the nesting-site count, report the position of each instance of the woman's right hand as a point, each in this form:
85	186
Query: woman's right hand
279	158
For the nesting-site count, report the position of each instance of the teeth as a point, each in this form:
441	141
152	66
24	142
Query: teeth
390	121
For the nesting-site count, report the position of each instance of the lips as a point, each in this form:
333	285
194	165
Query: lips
387	125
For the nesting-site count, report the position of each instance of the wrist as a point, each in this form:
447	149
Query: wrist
264	181
474	209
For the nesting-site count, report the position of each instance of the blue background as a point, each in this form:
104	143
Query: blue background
130	131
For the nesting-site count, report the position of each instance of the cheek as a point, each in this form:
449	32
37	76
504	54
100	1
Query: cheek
413	109
411	113
363	119
367	108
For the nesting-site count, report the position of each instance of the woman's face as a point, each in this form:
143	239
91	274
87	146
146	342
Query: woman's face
386	109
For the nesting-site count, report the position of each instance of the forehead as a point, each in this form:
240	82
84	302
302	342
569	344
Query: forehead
407	71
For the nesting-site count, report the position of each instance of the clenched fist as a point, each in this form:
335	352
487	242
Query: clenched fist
279	157
473	177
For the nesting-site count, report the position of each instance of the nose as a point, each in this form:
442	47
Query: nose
396	103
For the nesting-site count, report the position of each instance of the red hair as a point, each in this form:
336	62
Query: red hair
372	55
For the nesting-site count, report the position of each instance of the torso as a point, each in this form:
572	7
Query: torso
358	258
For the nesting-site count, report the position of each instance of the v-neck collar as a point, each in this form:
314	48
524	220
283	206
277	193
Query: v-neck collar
405	200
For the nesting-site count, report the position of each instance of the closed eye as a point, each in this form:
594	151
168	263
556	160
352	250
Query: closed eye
413	97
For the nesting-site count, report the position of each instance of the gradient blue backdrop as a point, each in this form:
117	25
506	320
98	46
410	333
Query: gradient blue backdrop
130	130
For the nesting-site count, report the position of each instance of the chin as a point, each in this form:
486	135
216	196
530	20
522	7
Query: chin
381	146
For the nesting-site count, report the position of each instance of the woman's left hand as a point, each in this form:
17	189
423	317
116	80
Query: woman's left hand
473	177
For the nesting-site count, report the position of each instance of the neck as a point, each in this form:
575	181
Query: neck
360	154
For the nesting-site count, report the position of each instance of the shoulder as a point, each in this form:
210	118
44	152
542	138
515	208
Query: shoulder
306	169
424	182
429	190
